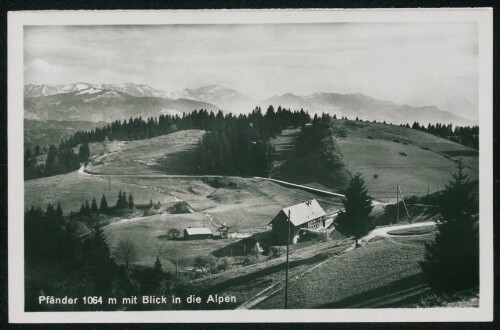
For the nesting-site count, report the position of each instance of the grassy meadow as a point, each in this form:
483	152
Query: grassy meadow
72	189
383	272
168	154
149	235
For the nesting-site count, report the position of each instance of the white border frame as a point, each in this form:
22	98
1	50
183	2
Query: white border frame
16	22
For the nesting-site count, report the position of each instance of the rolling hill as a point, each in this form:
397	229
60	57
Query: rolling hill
386	155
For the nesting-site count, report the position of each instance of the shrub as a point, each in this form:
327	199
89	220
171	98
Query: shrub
276	251
173	233
250	259
222	265
369	137
396	140
375	176
403	154
204	262
179	208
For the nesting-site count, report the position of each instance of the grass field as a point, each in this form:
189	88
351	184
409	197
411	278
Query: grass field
379	274
244	204
168	154
387	155
72	189
149	236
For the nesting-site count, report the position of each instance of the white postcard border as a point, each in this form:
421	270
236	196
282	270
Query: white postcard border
16	22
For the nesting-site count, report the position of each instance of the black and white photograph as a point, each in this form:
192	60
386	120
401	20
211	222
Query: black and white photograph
269	165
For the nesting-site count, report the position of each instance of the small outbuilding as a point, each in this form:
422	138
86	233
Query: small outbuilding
305	215
197	233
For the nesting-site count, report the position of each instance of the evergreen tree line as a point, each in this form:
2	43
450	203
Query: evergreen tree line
63	259
465	135
320	138
241	145
247	140
59	160
138	128
89	209
54	244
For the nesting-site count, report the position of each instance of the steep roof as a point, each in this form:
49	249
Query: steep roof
198	231
303	212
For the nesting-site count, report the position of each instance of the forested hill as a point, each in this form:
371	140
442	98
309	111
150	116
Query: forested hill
244	139
233	144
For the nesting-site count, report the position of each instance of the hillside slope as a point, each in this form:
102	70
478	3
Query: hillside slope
386	155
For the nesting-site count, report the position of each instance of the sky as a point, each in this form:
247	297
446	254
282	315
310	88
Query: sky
412	63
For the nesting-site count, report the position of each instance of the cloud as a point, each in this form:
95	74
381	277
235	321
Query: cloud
385	60
42	66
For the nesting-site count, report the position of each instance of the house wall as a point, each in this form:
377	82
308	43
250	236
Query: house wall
197	236
279	228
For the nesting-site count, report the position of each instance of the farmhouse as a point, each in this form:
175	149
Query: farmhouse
197	233
306	215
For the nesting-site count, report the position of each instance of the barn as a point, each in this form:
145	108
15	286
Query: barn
197	233
305	215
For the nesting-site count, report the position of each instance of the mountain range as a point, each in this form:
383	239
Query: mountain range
108	102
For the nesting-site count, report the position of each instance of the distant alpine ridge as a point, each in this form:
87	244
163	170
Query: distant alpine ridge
109	102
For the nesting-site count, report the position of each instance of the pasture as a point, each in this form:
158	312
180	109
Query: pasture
149	235
387	155
246	205
168	154
382	273
72	189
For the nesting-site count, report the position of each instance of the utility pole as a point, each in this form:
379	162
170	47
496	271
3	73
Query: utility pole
397	203
109	183
176	262
404	204
287	265
428	187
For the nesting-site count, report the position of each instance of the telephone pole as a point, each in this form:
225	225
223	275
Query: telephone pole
404	204
176	262
287	265
397	203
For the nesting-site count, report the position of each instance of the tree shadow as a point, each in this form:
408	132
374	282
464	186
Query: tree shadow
395	294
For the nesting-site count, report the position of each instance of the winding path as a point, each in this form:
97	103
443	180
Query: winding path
83	171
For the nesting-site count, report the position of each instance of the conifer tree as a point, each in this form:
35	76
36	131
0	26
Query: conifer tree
122	200
59	216
82	209
93	208
104	205
452	260
158	267
130	201
355	220
87	207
